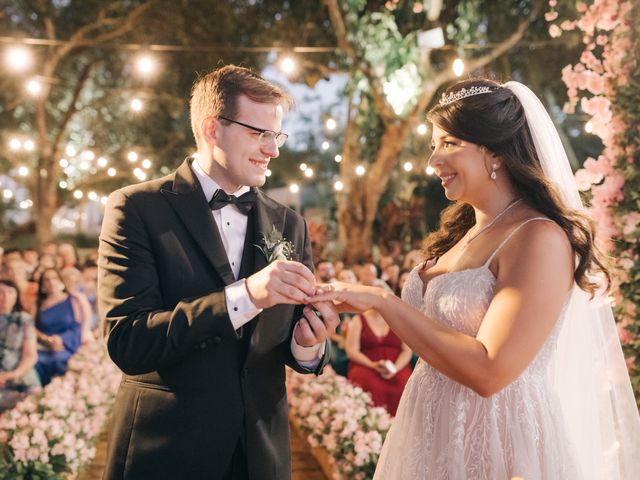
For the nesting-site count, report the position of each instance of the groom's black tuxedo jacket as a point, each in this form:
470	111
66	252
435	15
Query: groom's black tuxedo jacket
193	386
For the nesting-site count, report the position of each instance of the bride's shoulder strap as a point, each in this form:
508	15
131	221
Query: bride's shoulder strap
513	232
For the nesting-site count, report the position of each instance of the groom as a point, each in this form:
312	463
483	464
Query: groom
197	319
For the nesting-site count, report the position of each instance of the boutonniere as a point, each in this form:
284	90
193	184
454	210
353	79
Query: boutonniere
275	246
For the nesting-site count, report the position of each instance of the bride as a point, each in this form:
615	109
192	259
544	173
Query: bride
521	372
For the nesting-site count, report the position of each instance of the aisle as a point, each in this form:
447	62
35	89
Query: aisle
303	464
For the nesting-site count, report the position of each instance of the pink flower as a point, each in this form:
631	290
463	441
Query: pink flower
550	16
583	180
630	223
554	31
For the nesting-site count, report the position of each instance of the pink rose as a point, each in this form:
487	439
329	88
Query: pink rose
554	31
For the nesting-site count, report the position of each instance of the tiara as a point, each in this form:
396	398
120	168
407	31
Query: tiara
463	93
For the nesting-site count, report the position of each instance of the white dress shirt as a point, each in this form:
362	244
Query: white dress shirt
232	225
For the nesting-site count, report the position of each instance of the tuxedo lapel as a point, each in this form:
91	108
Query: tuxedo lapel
187	199
267	215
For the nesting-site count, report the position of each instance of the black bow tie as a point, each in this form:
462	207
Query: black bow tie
244	202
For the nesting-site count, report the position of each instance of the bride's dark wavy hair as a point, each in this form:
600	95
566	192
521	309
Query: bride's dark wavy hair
497	122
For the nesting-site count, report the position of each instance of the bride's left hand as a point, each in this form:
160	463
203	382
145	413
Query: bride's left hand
348	297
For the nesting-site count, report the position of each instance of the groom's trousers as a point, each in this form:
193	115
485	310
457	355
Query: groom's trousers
238	467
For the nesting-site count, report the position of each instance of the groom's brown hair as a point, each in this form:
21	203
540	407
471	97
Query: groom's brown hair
215	94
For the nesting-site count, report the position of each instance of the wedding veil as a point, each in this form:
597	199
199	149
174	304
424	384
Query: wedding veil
588	369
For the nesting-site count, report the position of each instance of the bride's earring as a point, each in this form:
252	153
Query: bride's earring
494	175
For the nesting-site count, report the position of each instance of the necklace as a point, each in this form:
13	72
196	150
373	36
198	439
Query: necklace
491	223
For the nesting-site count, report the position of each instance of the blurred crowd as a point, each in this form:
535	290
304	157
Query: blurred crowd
365	349
47	310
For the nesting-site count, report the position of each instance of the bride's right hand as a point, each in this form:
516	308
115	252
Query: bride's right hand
348	297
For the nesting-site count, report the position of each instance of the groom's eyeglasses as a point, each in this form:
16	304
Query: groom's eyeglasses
266	136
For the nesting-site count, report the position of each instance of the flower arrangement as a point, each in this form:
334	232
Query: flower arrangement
339	417
605	84
51	433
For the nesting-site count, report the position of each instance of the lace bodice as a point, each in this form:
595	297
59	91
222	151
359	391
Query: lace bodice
460	299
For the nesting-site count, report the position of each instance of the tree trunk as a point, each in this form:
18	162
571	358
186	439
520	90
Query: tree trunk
45	204
358	206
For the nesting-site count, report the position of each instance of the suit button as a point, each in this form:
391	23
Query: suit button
203	345
216	340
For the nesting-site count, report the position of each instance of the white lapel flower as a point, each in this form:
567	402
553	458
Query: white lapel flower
276	247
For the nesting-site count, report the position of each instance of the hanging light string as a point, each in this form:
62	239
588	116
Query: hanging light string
217	48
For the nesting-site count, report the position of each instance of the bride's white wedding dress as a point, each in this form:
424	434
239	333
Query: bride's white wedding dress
444	430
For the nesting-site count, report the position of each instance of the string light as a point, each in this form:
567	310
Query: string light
429	170
136	105
588	127
408	166
145	65
338	158
139	174
64	163
132	156
102	162
15	144
308	173
303	166
360	170
325	145
26	204
78	194
288	65
29	145
84	165
146	163
112	172
7	194
88	155
19	59
338	186
422	129
93	196
71	151
458	67
23	171
104	200
34	87
63	184
331	124
294	188
268	173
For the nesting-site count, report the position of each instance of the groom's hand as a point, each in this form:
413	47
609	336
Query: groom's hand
311	329
282	281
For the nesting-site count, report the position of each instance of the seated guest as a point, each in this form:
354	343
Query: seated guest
368	275
31	260
17	348
47	261
402	278
74	285
378	359
16	271
68	256
325	272
339	360
347	275
59	326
